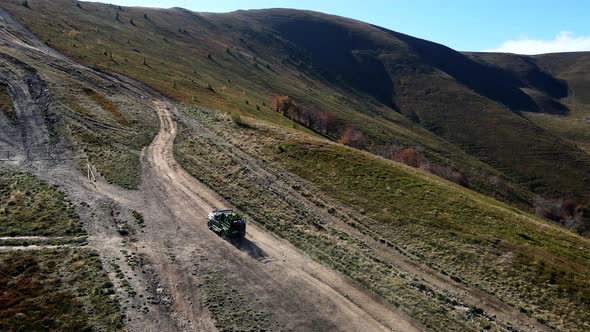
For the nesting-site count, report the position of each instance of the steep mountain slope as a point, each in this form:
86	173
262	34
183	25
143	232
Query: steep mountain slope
368	78
566	115
339	238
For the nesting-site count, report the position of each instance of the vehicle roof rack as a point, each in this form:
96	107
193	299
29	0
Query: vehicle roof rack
223	210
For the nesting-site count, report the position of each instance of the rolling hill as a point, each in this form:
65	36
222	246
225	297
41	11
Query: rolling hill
176	114
565	114
396	89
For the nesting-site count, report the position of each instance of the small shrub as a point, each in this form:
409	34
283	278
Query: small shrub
284	105
413	157
237	119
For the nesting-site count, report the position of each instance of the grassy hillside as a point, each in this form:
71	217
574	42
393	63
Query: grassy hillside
56	289
575	69
109	126
508	141
237	62
524	261
348	209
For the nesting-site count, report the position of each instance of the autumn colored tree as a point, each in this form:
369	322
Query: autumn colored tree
283	105
410	157
353	137
567	209
326	122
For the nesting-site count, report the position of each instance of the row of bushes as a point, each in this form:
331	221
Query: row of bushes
318	121
572	214
415	157
326	124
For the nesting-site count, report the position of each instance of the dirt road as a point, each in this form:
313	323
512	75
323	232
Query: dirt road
303	294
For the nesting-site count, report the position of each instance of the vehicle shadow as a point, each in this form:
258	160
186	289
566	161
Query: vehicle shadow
251	249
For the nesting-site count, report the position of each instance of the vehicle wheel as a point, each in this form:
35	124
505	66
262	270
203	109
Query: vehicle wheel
224	234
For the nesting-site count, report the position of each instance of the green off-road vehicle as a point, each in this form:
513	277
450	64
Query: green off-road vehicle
227	223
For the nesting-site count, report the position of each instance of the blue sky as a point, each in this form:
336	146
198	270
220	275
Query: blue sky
520	26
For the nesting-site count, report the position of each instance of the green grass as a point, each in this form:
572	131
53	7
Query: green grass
116	162
45	289
111	129
29	206
575	127
534	157
6	105
539	268
468	236
56	290
106	105
60	241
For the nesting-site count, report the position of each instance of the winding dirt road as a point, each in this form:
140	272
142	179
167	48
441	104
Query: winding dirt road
304	294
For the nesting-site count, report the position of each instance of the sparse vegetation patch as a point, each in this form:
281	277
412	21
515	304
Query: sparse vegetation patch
233	308
6	105
29	206
106	105
56	290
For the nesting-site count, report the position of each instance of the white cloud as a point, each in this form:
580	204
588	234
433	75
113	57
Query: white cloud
565	41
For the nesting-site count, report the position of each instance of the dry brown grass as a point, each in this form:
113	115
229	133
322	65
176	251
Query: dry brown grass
107	105
6	103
